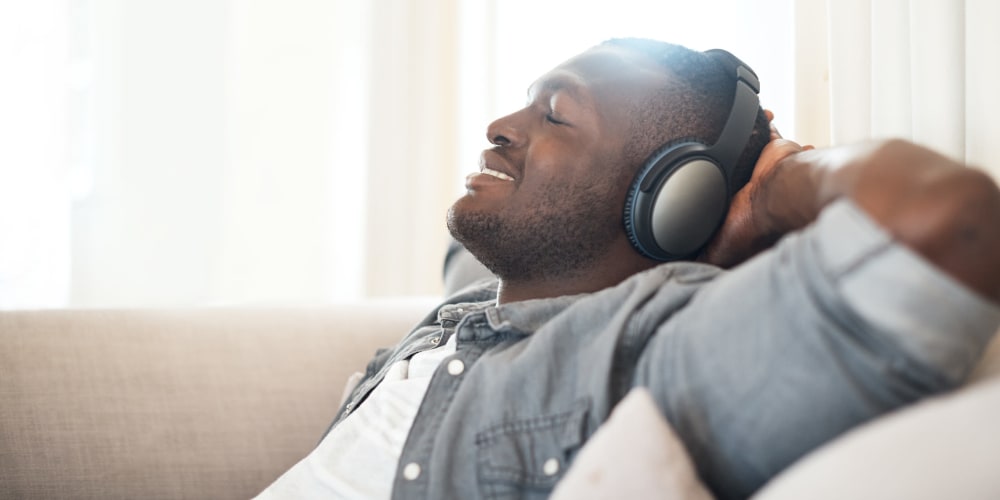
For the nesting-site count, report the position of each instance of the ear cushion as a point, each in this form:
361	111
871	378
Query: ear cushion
676	202
681	195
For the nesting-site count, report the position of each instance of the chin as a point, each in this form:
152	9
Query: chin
450	216
454	220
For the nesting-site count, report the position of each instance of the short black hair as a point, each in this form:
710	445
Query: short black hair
694	105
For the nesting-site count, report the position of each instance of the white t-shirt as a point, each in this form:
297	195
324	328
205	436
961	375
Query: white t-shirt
358	458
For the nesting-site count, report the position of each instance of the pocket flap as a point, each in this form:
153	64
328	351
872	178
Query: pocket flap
531	452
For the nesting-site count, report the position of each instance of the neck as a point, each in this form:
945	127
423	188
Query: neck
598	276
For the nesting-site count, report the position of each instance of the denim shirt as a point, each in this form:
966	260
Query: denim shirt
752	367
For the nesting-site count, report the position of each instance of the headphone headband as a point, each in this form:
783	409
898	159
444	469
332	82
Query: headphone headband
736	133
681	195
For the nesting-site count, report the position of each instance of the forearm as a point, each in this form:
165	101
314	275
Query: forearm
946	212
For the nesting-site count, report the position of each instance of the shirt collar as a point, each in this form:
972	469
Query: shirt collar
525	316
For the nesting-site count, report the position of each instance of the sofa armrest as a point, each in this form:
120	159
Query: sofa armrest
200	403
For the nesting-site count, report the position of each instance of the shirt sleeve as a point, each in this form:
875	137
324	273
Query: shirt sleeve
835	325
925	312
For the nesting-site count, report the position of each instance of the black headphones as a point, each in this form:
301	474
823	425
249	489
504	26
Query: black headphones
681	194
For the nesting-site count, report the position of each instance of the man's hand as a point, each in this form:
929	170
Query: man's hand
746	231
939	208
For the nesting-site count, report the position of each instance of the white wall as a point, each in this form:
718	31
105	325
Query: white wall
148	232
917	69
189	152
230	155
35	153
231	151
295	162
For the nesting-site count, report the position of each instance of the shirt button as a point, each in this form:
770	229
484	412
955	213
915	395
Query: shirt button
551	467
411	471
456	367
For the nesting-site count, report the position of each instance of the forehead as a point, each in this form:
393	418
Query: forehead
603	73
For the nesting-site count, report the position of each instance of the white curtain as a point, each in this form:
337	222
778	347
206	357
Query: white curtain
341	119
267	152
307	150
414	145
918	69
191	152
36	86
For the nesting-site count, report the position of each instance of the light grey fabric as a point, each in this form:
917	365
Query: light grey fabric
212	403
944	447
753	368
773	360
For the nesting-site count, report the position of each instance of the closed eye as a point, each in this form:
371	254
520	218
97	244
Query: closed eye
553	120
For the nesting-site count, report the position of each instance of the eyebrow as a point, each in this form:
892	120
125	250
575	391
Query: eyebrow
558	83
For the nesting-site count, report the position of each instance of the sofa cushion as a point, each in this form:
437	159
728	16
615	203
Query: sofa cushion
209	403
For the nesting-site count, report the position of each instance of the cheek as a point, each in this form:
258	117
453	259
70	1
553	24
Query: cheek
557	167
564	161
545	170
572	191
551	187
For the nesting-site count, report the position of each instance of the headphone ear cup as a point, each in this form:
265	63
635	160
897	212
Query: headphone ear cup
676	202
681	195
635	227
629	214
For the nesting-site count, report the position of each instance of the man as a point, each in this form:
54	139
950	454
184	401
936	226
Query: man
886	291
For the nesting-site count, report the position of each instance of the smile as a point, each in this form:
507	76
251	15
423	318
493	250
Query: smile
494	173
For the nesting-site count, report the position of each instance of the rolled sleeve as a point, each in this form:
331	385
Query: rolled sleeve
834	326
929	315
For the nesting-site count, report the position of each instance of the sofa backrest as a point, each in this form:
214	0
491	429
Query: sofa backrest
205	403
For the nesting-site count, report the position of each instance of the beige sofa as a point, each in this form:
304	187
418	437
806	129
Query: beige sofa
216	403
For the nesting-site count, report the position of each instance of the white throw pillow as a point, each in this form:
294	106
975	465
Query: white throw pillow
634	455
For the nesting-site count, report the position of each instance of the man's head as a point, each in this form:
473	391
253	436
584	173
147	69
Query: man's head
553	214
694	105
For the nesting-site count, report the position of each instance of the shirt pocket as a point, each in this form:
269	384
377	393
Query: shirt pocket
525	458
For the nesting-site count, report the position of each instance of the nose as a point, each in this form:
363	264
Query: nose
505	132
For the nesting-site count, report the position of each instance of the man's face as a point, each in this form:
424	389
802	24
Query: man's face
549	196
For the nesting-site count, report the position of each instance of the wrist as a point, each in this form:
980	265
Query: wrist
786	201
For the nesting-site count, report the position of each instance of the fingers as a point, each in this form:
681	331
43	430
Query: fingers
772	154
783	147
770	121
775	135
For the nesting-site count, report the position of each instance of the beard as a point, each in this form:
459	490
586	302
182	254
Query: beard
559	236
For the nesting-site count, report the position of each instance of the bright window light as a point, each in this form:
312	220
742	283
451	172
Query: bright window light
526	38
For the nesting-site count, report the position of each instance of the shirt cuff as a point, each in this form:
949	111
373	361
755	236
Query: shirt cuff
930	315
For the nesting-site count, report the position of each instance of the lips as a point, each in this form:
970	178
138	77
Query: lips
494	173
490	163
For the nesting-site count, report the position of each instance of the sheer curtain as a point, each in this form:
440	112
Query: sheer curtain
917	69
198	152
36	83
443	69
